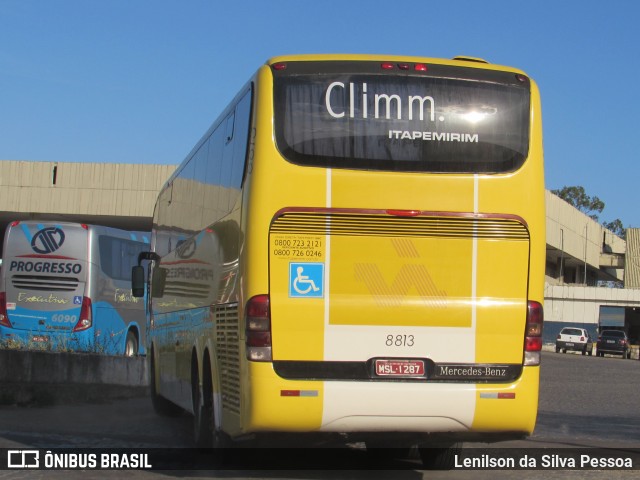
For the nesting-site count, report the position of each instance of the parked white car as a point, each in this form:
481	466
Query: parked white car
576	339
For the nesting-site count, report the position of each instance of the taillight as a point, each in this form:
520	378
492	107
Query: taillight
258	329
533	334
582	339
418	67
404	213
86	317
4	318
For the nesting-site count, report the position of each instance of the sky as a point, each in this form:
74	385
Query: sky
140	81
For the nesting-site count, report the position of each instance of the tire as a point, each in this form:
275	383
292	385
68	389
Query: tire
386	451
131	345
439	458
161	405
584	351
202	407
557	349
206	434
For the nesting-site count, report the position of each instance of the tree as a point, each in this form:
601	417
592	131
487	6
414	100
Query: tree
591	206
616	227
576	197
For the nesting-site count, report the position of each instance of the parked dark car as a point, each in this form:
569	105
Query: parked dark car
615	342
577	339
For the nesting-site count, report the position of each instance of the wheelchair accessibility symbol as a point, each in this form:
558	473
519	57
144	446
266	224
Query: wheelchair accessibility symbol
306	280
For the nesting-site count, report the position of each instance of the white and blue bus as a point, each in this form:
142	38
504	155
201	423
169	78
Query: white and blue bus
67	287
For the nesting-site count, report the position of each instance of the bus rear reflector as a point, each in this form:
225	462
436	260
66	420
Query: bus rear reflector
86	317
258	329
4	318
498	395
533	334
298	393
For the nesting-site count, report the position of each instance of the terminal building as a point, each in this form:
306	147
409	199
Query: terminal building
592	275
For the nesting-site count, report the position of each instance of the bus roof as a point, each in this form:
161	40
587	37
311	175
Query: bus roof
459	60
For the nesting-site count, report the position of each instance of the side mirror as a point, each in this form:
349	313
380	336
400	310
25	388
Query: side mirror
159	278
137	273
137	281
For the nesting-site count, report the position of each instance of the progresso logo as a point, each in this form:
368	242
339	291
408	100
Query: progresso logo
186	248
47	240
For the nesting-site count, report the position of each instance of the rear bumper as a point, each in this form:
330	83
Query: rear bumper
614	349
47	340
461	409
573	346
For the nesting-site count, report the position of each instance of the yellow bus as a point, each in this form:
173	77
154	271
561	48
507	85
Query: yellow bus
356	245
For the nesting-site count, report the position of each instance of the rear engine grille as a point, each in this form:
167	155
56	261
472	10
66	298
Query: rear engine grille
228	347
45	283
447	226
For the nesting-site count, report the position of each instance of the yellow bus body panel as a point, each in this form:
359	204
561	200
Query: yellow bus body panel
271	410
504	415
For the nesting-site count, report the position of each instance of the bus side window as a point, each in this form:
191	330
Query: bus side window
228	136
117	256
227	155
212	211
240	142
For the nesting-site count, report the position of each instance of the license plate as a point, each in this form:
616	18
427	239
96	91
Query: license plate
400	368
569	344
40	339
611	341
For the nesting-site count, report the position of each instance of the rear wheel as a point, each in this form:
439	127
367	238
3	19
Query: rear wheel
202	407
385	451
439	458
206	433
